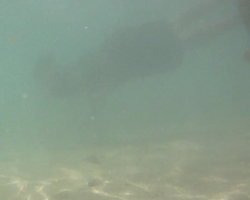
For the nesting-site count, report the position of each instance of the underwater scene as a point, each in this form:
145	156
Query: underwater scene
125	100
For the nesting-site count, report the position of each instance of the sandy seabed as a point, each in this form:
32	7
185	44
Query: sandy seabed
171	169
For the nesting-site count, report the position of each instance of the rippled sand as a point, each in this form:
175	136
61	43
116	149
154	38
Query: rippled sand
171	169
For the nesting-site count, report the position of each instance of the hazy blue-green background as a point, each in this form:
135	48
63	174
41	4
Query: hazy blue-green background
208	94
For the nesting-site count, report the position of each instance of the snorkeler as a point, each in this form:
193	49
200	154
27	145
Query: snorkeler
146	49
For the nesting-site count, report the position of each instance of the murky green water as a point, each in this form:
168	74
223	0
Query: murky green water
74	125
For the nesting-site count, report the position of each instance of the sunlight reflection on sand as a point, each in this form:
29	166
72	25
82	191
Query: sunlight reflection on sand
171	170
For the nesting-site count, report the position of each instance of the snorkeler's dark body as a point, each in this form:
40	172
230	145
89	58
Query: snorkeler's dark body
129	53
143	50
139	51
